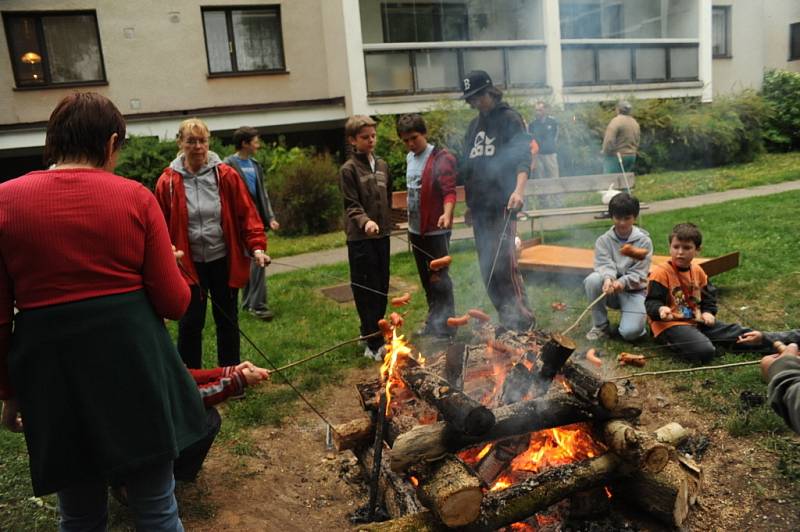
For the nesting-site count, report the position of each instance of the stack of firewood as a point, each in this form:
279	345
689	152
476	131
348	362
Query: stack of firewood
424	485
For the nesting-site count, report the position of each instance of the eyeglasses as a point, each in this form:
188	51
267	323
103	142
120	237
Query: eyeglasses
194	140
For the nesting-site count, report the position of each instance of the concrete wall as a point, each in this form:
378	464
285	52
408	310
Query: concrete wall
780	14
164	65
745	68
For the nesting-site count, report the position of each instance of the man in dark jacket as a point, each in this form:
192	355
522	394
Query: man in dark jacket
247	142
544	130
495	167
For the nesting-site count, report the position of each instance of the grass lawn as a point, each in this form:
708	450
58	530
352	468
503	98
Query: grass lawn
767	169
306	322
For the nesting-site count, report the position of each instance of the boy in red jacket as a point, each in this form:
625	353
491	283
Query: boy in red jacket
431	187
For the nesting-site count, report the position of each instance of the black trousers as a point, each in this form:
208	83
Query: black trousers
437	285
505	287
213	277
188	464
369	267
697	344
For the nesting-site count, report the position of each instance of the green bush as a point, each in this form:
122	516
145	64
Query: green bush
144	158
781	91
305	195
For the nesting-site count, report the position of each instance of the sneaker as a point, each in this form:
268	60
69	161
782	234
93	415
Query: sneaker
378	355
597	333
265	314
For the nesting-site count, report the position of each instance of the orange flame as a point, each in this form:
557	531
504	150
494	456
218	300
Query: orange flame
608	492
502	483
397	353
554	447
520	527
414	481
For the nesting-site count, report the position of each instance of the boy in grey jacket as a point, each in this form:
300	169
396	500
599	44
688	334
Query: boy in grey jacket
622	279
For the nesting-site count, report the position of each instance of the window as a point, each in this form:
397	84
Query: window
424	22
54	48
794	41
721	31
244	40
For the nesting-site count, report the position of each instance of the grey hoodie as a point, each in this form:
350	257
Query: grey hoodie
206	239
610	263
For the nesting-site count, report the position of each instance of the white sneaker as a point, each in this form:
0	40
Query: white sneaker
378	355
597	333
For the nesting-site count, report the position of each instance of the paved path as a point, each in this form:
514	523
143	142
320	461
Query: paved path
398	243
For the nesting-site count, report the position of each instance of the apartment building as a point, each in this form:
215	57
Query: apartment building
300	67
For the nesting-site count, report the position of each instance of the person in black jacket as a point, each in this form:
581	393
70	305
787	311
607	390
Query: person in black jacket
544	130
247	142
495	167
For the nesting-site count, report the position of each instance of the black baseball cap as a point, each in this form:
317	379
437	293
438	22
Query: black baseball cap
476	81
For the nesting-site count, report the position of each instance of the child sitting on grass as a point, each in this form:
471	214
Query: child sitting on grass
682	305
623	279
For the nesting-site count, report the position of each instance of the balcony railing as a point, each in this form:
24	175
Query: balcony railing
585	64
439	67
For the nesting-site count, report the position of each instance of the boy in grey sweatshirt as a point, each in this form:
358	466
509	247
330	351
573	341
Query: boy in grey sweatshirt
623	279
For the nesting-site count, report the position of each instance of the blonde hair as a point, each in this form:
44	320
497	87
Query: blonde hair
193	125
355	123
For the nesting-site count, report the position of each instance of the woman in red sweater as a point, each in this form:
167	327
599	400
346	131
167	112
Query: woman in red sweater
90	372
213	220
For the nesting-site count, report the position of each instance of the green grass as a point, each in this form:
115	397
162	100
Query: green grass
763	229
284	246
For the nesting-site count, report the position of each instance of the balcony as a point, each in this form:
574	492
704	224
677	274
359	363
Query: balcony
604	63
430	68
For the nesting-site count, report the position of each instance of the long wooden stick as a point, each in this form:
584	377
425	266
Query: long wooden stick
593	303
686	370
317	355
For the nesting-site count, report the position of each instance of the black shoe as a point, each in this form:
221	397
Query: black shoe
265	314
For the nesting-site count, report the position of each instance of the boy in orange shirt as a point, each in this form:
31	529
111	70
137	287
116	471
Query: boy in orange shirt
681	304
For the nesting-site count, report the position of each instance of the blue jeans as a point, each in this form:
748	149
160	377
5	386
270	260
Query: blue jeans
632	322
151	497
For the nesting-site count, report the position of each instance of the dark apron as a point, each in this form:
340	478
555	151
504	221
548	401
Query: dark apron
102	390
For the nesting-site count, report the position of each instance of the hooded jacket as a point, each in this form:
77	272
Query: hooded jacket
784	390
496	149
239	221
367	196
611	264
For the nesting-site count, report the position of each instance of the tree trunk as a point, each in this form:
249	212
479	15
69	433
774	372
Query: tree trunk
429	442
452	491
461	412
639	449
588	386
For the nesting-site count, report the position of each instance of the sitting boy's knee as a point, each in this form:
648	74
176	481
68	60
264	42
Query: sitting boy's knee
702	354
631	334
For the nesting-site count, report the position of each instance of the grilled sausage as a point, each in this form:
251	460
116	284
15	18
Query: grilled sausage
633	252
458	321
478	315
401	301
440	263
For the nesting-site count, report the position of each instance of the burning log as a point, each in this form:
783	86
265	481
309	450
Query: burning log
636	447
587	385
368	394
455	362
399	497
460	411
428	442
553	356
520	501
452	491
352	434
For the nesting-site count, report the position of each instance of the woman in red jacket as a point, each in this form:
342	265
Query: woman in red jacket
90	372
213	220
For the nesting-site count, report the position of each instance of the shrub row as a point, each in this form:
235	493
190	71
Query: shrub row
302	185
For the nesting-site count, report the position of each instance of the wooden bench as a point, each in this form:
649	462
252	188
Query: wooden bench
538	189
400	209
536	256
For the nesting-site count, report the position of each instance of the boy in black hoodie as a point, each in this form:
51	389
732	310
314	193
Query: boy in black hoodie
495	167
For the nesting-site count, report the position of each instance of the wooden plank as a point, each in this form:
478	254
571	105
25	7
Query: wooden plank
580	261
567	211
583	183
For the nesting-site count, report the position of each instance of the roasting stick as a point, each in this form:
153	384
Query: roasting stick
593	303
337	279
686	370
317	355
511	212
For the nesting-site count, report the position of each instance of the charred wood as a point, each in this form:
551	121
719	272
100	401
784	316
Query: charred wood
399	497
461	412
587	385
428	442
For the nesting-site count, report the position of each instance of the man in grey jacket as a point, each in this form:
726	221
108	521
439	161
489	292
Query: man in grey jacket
247	142
622	279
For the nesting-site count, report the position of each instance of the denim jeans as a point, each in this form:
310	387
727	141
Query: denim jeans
633	320
151	497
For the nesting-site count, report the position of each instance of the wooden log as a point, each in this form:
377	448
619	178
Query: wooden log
451	490
399	496
455	362
460	411
664	495
429	442
520	501
554	354
369	394
671	433
587	385
354	433
638	448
